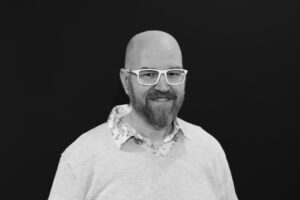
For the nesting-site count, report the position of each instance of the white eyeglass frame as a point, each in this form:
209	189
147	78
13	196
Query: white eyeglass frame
160	72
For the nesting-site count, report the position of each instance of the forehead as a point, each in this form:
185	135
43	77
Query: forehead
159	58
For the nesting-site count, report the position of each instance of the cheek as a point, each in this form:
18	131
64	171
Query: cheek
137	90
179	91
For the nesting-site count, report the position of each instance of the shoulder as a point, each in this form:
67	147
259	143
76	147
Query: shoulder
201	139
89	145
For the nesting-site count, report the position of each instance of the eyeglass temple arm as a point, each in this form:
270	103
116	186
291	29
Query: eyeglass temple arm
129	71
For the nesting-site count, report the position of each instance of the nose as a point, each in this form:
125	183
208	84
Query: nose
162	84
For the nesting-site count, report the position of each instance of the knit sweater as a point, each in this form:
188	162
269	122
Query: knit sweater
94	168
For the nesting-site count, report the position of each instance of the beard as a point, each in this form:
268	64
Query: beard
158	116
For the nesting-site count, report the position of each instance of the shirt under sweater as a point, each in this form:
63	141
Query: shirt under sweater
94	168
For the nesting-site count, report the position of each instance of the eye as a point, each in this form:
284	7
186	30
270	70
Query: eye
148	74
174	73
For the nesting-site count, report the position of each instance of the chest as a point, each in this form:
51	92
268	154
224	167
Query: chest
139	177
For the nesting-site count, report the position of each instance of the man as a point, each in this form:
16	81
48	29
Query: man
144	152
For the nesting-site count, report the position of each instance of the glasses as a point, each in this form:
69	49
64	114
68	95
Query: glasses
152	76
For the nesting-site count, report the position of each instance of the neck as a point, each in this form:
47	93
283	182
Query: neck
156	136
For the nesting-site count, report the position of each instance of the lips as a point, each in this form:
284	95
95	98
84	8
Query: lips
161	99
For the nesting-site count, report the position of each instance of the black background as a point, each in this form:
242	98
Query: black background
62	61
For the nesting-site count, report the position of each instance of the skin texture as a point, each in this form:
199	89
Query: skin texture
151	117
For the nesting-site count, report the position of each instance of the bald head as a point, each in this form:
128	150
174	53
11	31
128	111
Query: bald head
153	49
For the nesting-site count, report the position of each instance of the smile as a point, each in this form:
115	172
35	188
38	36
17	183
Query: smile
161	99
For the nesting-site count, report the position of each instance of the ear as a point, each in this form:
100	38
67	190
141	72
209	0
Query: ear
124	79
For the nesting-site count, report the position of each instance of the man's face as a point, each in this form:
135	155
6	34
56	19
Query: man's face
160	103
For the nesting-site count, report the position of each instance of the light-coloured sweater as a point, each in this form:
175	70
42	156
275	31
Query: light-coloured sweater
94	168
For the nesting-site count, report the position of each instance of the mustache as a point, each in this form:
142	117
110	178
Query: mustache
161	95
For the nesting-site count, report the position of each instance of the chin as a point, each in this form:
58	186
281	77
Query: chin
163	117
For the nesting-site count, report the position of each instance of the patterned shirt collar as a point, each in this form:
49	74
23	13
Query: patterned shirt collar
122	131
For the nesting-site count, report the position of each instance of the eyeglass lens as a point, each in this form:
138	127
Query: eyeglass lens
150	76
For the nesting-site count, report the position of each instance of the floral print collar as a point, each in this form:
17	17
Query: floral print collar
122	131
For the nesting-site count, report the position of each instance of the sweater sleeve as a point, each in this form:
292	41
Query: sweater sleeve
228	190
65	186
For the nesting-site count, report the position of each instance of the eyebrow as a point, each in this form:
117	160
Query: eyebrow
172	67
